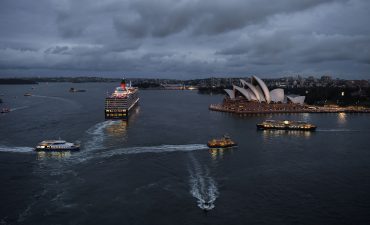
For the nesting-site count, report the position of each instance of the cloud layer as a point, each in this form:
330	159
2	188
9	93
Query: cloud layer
185	38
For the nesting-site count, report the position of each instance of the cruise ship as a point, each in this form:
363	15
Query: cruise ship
123	99
286	125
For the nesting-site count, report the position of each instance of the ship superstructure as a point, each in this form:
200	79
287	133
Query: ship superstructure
121	101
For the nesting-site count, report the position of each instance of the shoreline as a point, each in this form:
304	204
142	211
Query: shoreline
222	108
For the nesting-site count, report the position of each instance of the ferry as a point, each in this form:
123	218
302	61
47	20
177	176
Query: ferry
224	142
119	104
57	145
286	125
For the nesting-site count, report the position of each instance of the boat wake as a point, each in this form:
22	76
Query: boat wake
155	149
336	130
98	135
57	98
15	149
202	186
18	108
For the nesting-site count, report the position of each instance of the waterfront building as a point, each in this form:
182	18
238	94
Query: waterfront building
257	91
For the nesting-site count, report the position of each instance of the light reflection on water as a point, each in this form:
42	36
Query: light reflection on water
342	118
306	117
219	153
267	134
53	155
216	153
118	129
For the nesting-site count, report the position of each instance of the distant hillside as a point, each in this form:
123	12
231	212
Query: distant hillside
17	81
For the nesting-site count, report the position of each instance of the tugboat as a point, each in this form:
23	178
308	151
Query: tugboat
224	142
286	125
57	145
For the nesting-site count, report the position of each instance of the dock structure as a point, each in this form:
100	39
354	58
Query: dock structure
243	107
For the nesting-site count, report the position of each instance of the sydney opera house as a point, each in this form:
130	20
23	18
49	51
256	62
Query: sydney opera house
255	97
257	91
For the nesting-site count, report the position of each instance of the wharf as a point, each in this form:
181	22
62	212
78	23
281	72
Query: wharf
246	109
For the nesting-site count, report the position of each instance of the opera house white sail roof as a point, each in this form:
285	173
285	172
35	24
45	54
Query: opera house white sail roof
258	91
297	99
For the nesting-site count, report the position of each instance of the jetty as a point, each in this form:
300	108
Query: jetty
240	107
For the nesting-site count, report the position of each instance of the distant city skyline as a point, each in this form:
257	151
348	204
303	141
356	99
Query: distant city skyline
185	39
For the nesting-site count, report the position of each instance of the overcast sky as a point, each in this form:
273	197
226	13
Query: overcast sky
185	39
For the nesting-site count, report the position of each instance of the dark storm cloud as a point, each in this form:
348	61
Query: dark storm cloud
166	17
57	50
185	38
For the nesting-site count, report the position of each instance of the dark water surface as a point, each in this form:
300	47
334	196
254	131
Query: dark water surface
156	169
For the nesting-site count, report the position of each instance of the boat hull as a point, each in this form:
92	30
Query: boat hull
57	149
262	127
221	146
120	114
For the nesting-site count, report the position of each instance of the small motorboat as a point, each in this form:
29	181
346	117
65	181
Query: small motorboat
224	142
76	90
57	145
5	110
27	94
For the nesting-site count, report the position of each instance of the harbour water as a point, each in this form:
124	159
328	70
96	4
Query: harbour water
157	169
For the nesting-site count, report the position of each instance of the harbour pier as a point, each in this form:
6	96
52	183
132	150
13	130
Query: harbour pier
261	108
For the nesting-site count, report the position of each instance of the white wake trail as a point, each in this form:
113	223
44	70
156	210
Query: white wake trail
336	130
202	186
57	98
98	135
18	108
15	149
155	149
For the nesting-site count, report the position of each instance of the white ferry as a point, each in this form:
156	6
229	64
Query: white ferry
57	145
286	125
